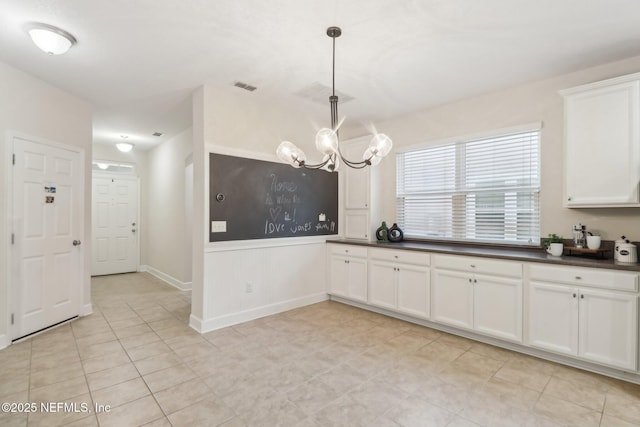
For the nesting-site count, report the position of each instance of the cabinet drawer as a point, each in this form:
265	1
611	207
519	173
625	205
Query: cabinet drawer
478	265
358	251
601	278
399	255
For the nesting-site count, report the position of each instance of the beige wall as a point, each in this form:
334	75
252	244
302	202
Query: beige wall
527	103
35	108
140	159
167	224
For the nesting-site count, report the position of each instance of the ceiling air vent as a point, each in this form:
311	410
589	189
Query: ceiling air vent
245	86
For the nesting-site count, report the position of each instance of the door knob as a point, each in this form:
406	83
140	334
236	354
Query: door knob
133	230
133	224
77	243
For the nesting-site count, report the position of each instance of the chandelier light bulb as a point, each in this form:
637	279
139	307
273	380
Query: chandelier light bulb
299	158
373	158
286	151
380	145
327	141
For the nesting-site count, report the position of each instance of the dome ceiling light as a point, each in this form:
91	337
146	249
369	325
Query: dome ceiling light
50	39
123	145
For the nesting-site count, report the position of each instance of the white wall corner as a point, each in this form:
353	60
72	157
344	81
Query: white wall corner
195	323
4	341
87	309
211	324
183	286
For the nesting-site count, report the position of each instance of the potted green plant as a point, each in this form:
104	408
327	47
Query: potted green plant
553	244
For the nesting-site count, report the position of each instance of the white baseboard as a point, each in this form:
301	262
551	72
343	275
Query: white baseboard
211	324
87	309
4	341
183	286
195	323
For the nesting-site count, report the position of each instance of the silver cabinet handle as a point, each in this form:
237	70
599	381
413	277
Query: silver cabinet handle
77	243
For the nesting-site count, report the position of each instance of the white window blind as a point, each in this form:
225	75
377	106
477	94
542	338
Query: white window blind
477	190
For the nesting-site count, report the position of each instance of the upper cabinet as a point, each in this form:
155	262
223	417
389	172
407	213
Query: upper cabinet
356	180
602	143
361	203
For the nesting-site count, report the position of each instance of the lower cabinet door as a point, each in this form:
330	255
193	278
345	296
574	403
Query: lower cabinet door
357	279
382	285
452	298
609	328
497	307
413	290
339	279
553	318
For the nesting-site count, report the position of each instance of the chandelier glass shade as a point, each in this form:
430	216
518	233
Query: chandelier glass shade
327	140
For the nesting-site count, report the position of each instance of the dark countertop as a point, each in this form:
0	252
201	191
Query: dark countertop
514	254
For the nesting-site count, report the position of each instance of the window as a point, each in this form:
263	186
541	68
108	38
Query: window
485	189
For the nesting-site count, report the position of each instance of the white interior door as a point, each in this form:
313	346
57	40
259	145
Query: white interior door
47	266
114	224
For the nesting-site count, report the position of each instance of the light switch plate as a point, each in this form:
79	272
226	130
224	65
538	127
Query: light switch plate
218	226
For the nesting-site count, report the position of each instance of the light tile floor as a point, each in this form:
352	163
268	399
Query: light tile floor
327	364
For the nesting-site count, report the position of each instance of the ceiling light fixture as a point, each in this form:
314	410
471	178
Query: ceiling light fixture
50	39
327	141
124	146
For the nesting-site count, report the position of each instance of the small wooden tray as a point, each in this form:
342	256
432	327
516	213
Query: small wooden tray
572	250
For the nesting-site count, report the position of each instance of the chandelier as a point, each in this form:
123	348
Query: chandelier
327	141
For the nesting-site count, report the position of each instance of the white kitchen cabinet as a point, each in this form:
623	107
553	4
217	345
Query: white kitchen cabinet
357	215
497	307
478	294
399	281
452	298
361	203
357	181
602	143
383	284
356	224
608	328
413	290
553	318
599	325
348	272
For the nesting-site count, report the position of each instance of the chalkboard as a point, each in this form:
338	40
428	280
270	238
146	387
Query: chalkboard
256	199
